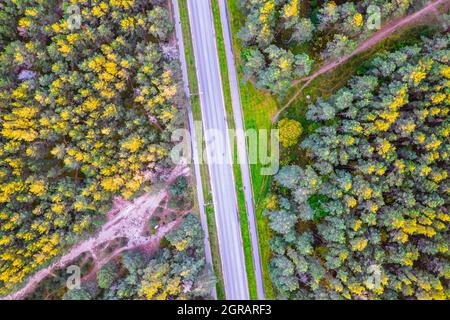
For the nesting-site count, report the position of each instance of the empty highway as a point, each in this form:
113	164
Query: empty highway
218	150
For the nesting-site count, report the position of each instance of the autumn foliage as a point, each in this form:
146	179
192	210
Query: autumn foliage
282	38
369	217
85	115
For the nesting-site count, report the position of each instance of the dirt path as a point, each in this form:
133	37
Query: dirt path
377	37
129	223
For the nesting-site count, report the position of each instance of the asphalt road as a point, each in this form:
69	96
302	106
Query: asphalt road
195	155
242	149
218	150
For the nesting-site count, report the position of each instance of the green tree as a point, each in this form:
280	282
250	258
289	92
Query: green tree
106	275
290	132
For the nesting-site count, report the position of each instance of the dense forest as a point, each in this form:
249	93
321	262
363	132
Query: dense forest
177	270
368	216
88	100
283	38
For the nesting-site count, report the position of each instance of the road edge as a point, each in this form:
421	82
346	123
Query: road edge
197	171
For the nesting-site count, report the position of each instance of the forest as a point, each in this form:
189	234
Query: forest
360	206
367	216
284	39
89	96
177	270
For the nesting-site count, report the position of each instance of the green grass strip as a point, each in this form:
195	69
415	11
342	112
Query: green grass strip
236	167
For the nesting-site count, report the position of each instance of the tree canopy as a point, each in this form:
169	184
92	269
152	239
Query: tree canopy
281	38
369	216
88	100
178	270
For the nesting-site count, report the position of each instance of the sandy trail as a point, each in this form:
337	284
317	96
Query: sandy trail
129	223
383	33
